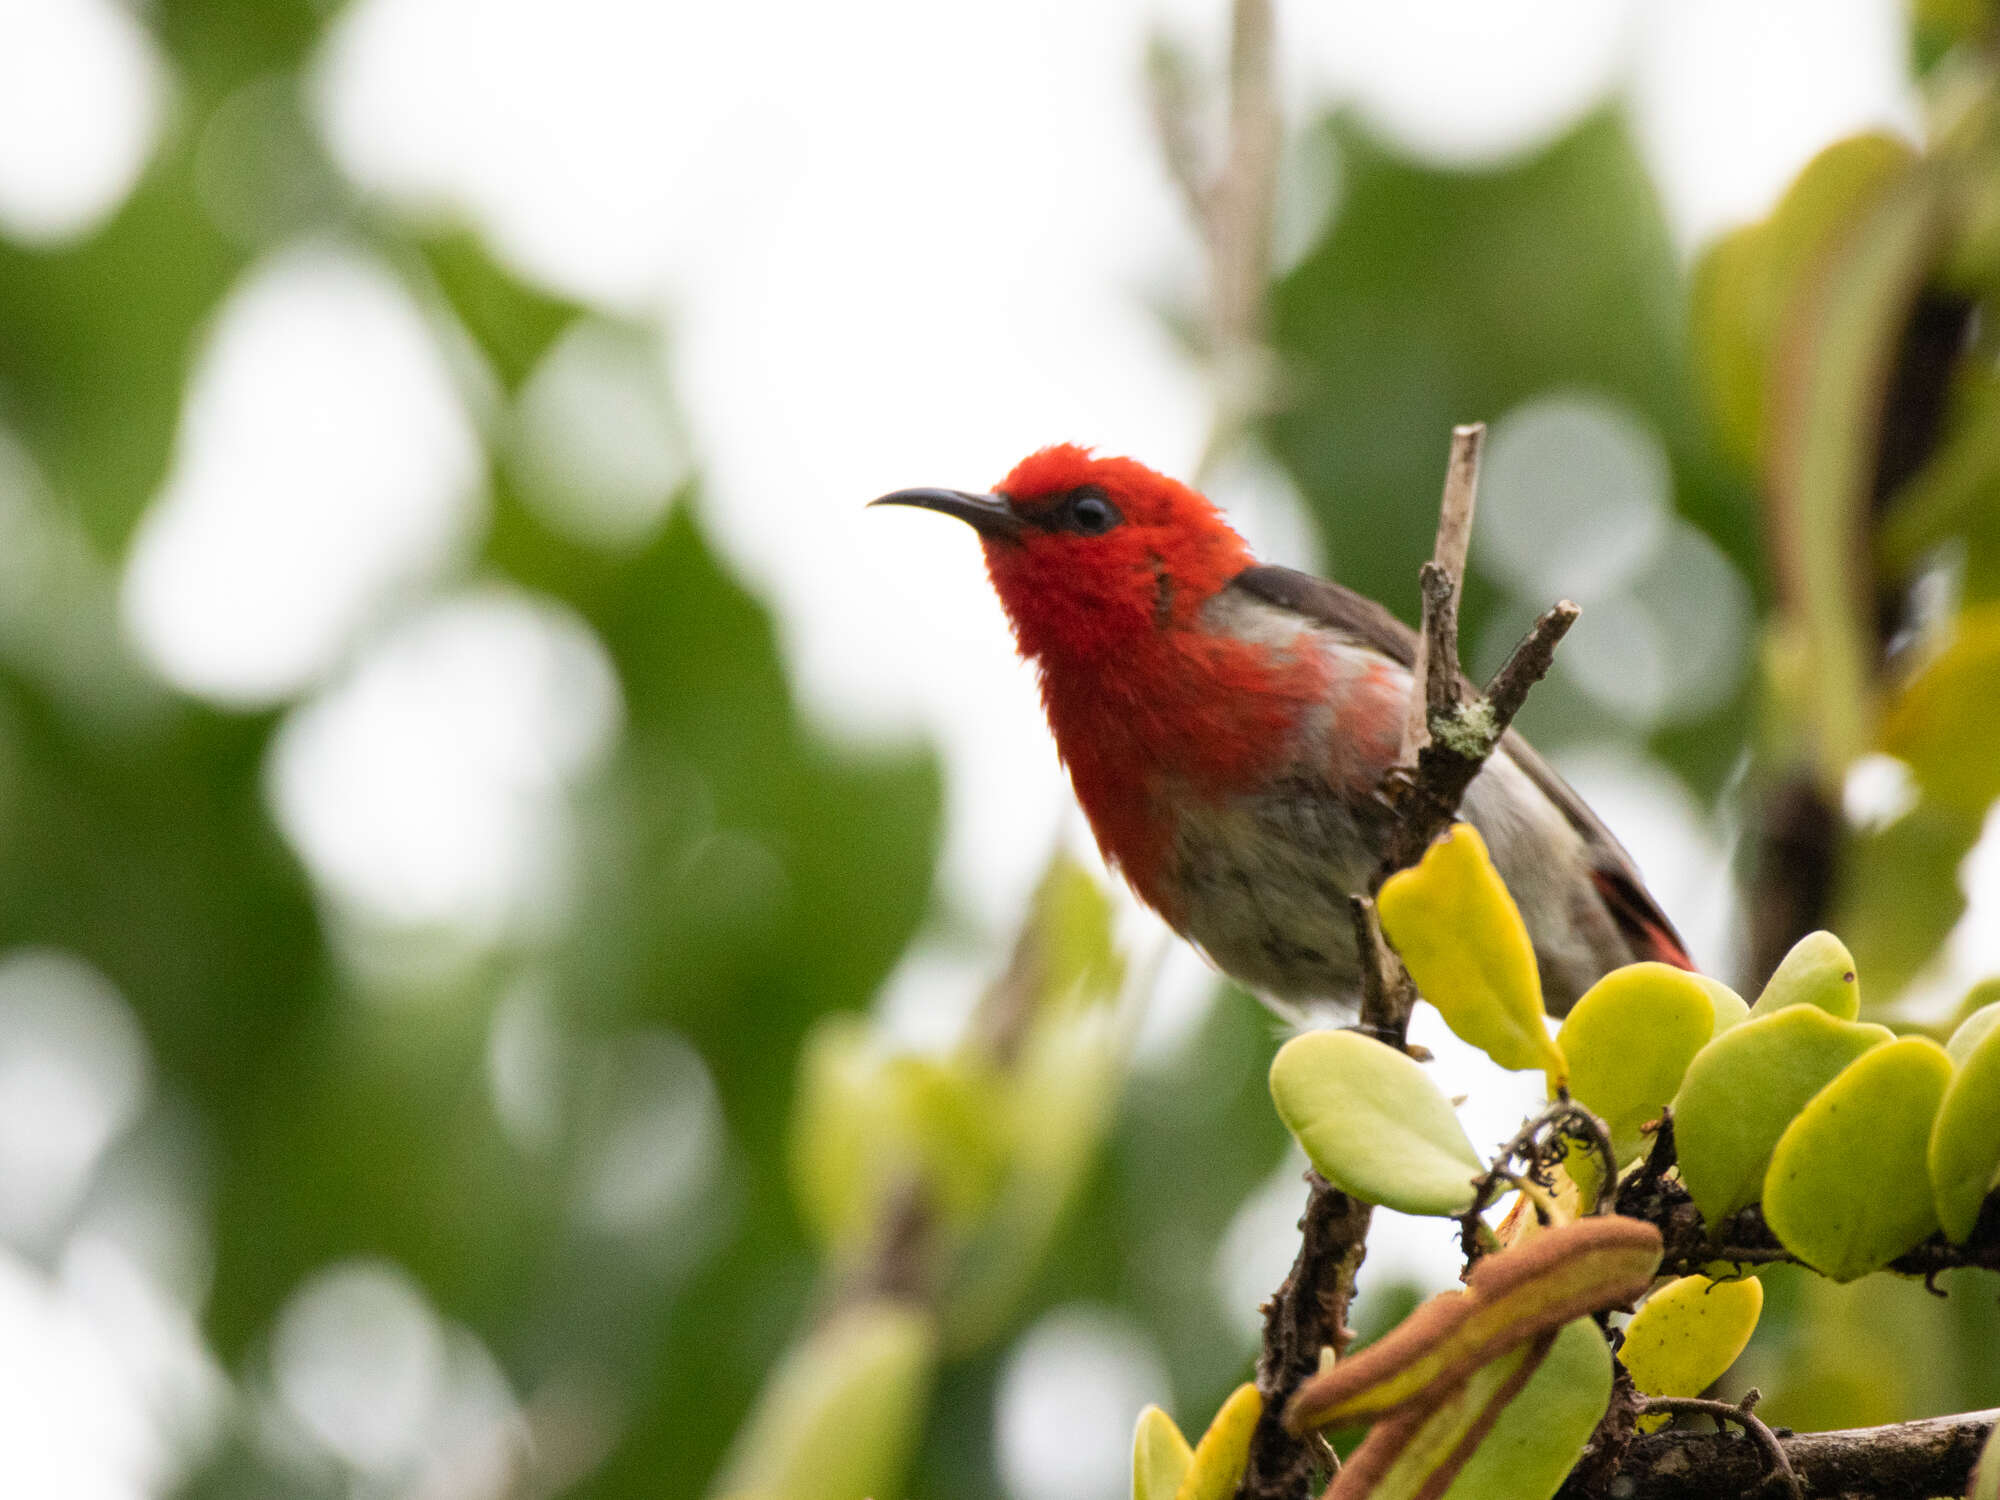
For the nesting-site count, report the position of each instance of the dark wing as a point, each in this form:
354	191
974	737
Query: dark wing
1363	620
1334	607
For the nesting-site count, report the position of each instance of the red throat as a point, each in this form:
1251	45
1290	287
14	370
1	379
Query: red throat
1146	704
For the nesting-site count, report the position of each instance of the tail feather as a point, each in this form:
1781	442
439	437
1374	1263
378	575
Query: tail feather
1639	917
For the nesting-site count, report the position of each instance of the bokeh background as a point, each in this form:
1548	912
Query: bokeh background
459	730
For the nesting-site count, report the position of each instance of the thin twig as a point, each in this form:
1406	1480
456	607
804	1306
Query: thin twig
1530	661
1744	1417
1745	1239
1463	738
1233	206
1171	93
1243	198
1539	1145
1439	624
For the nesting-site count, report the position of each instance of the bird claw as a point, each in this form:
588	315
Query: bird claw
1394	788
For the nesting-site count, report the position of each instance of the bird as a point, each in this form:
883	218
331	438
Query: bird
1226	725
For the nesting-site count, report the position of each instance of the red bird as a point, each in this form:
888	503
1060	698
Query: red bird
1226	725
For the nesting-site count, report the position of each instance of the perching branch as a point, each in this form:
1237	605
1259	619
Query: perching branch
1309	1312
1306	1314
1907	1461
1742	1414
1448	739
1745	1239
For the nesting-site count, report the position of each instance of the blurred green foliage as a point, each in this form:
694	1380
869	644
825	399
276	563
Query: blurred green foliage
747	877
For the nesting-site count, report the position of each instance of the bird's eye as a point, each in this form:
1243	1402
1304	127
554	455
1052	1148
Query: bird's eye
1092	514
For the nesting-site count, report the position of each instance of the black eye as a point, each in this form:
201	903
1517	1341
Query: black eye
1092	514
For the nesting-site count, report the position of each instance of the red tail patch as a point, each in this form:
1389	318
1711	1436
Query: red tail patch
1639	917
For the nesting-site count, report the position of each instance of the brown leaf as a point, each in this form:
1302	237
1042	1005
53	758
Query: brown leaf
1513	1296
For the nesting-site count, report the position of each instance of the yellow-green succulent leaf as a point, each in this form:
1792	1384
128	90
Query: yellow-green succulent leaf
1980	1021
1373	1124
1161	1457
1224	1450
1744	1088
1730	1007
1629	1041
1541	1433
1463	941
1964	1153
1818	971
1687	1334
1513	1296
838	1417
1848	1187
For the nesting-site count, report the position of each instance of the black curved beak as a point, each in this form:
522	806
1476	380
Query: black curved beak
989	515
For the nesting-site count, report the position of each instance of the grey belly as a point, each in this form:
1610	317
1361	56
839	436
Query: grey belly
1266	881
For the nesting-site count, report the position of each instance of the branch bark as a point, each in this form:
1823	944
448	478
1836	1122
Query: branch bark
1907	1461
1745	1239
1439	625
1463	736
1309	1312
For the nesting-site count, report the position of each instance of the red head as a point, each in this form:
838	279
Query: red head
1092	555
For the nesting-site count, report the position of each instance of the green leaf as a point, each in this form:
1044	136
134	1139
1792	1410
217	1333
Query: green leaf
1897	893
1512	1297
1629	1041
1416	1451
1160	1456
1986	1473
1965	1140
1946	722
1954	488
1373	1123
1687	1334
840	1413
1818	971
1982	1017
865	1122
1541	1433
1730	1007
1074	957
1059	1106
1463	941
1745	283
1823	451
1743	1089
1847	1190
1224	1450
